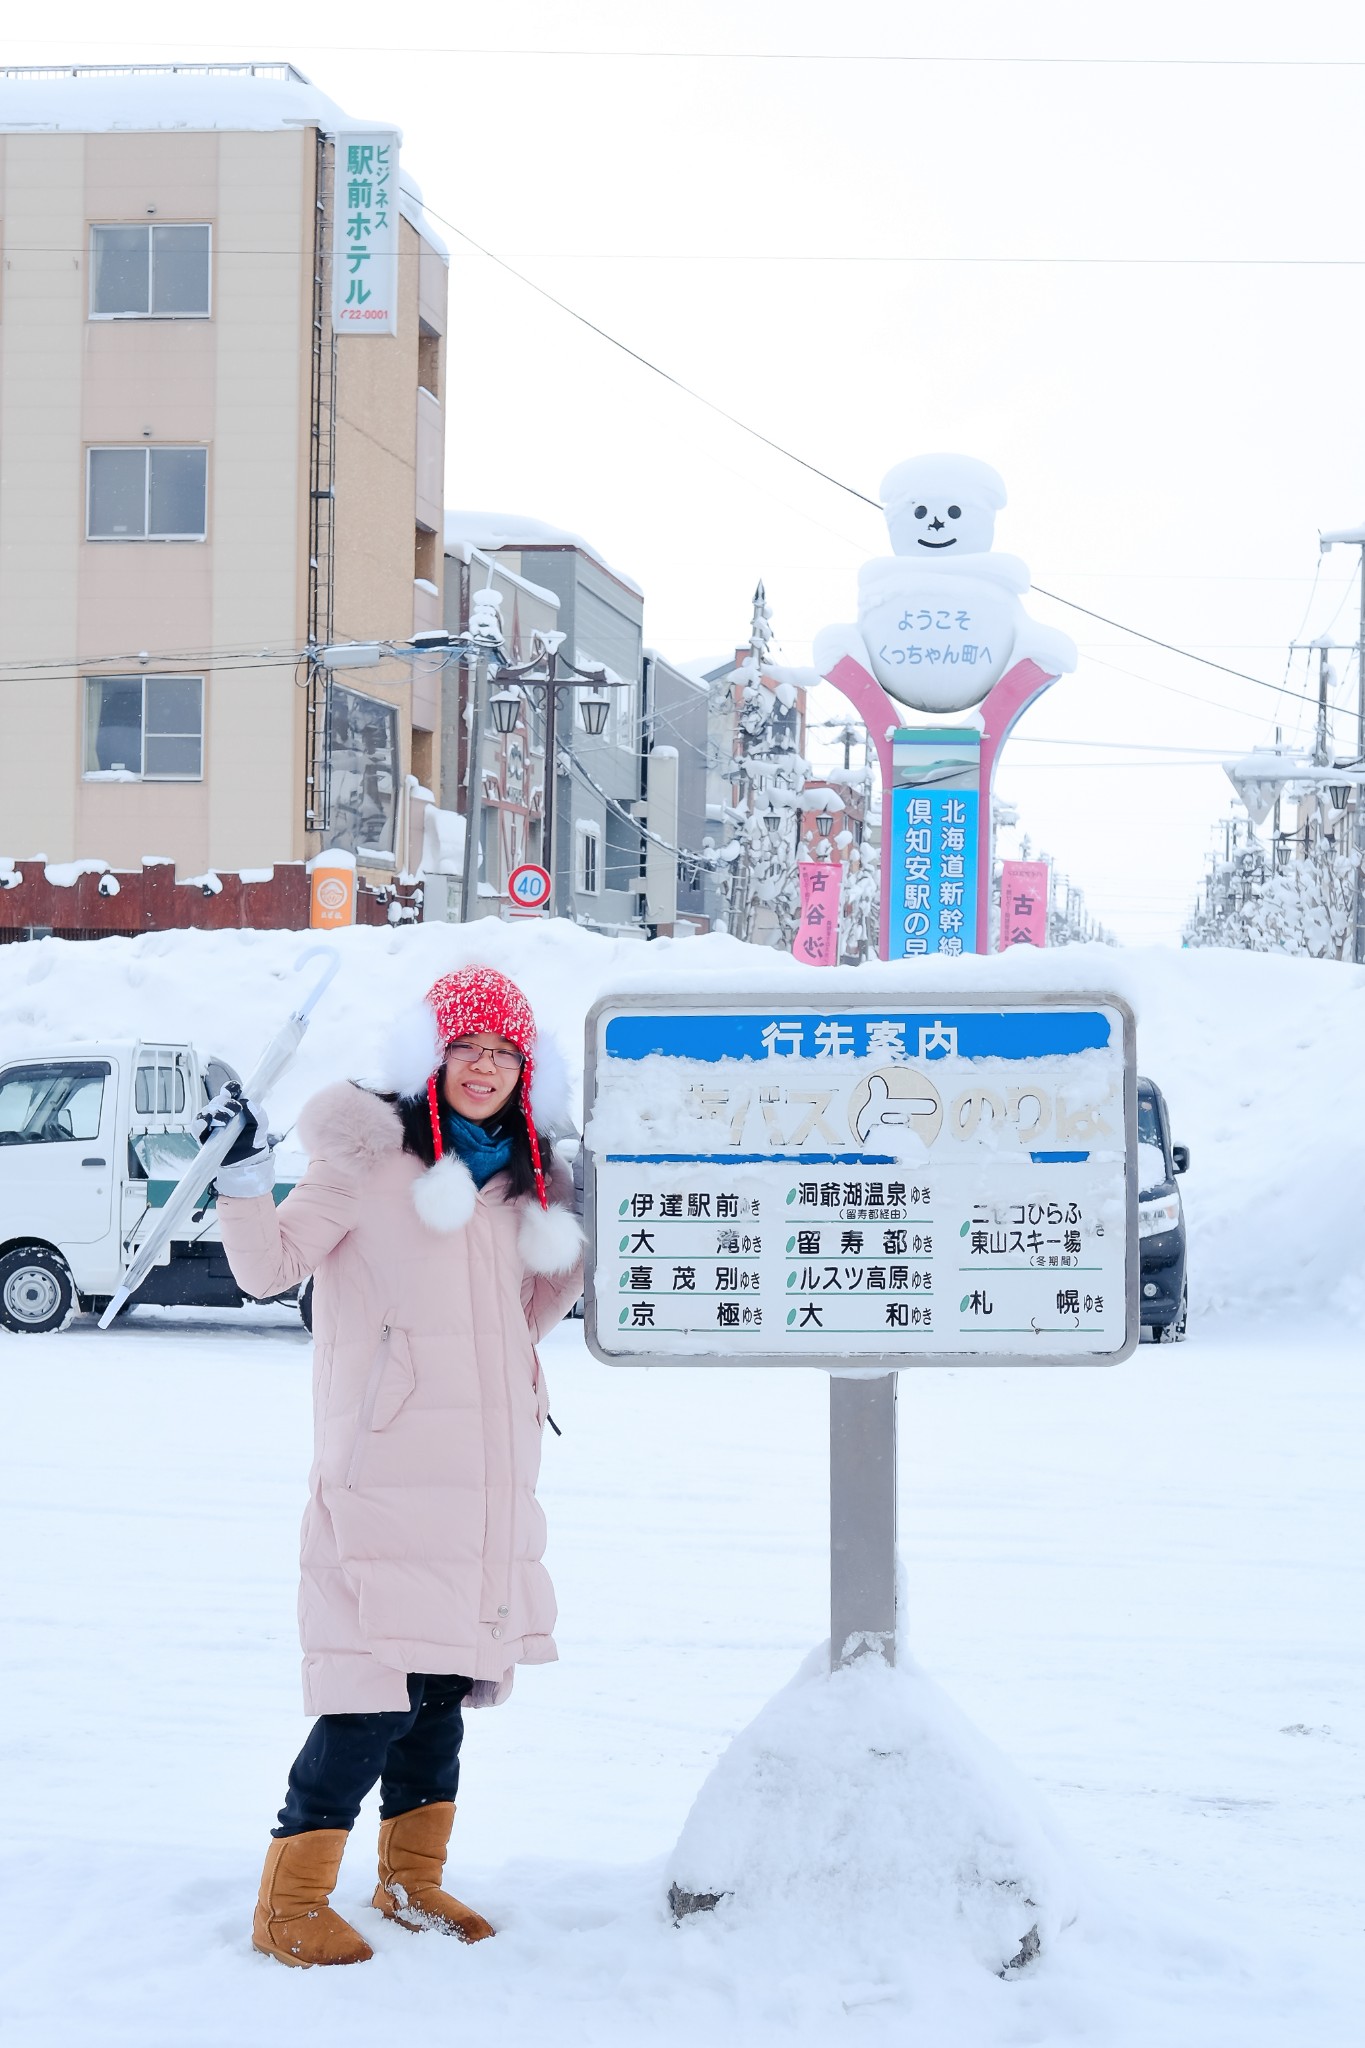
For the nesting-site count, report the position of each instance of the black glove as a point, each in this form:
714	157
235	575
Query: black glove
252	1140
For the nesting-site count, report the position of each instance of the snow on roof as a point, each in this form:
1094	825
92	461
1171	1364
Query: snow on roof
675	668
468	554
98	99
514	530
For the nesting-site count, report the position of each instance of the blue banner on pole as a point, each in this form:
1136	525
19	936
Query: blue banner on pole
934	842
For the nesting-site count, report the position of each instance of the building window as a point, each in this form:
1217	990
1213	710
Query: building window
429	360
146	493
362	773
589	859
144	728
155	272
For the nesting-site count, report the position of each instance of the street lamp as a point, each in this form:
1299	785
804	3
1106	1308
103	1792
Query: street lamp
824	824
547	670
594	710
505	706
479	647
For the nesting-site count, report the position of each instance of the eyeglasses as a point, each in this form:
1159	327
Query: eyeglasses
462	1054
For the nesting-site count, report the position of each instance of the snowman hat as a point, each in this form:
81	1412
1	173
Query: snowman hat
937	476
468	1000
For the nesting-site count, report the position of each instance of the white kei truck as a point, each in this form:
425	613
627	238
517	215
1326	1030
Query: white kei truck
93	1140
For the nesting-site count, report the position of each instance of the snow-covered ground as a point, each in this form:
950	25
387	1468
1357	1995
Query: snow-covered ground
1142	1586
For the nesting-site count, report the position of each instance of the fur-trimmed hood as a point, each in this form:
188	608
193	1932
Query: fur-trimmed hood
348	1123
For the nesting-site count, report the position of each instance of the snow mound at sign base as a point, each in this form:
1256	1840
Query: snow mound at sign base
861	1810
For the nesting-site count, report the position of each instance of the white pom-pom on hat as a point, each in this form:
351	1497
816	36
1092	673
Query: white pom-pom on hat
549	1240
445	1195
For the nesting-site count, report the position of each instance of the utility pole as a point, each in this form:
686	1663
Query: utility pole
1275	821
1320	748
1354	536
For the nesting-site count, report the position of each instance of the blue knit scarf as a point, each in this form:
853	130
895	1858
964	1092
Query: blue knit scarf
484	1150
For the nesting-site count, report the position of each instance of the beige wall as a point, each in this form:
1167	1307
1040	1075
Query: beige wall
259	493
41	487
239	384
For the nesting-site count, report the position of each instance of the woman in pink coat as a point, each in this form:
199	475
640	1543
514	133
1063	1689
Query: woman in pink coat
442	1245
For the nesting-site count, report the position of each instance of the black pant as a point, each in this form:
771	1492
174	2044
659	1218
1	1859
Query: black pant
414	1757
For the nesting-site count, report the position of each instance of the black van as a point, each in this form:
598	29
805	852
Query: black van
1161	1219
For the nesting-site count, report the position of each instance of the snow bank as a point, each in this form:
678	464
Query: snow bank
861	1807
1258	1056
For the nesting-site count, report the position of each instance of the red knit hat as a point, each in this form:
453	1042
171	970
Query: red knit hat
480	999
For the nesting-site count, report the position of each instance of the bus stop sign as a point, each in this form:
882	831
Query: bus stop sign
847	1180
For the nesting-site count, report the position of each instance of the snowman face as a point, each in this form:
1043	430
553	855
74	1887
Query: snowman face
942	523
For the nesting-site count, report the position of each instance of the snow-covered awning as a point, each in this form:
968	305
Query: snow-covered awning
1261	778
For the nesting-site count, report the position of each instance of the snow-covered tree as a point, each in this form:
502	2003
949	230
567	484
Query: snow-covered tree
1307	908
763	899
861	910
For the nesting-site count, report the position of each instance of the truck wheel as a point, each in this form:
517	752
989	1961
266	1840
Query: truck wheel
36	1293
306	1304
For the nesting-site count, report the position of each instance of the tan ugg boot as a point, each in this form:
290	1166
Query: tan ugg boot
412	1856
294	1922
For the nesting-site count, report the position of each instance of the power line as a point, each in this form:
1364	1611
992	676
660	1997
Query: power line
1005	60
749	258
1038	739
1169	645
790	455
805	256
117	668
702	860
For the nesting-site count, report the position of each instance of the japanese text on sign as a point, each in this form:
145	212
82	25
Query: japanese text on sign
932	855
816	939
1023	903
862	1182
365	232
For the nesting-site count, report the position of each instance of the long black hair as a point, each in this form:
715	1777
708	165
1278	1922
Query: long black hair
414	1114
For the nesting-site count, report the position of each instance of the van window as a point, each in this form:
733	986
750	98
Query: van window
57	1102
159	1090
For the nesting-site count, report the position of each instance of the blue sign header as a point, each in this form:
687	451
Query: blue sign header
893	1035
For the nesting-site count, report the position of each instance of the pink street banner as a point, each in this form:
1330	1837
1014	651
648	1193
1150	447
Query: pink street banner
1023	903
817	934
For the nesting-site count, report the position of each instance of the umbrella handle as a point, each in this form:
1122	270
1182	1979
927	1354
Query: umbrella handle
325	979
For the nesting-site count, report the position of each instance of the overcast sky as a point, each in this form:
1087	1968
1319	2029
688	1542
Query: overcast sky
1134	287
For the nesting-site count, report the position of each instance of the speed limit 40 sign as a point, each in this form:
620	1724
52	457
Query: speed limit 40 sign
529	889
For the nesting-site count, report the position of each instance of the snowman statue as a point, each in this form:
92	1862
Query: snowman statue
939	621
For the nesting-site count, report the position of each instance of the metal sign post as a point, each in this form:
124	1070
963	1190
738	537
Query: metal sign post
862	1518
861	1183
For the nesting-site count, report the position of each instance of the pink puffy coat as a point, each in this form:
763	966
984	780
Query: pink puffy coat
423	1537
